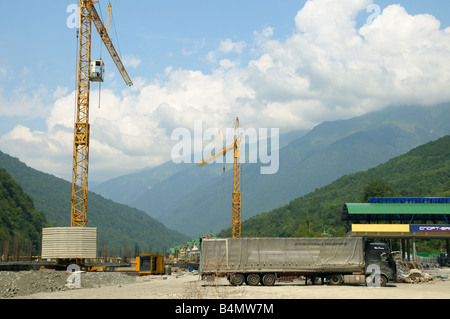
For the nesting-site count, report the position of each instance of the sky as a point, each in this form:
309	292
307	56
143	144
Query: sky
289	65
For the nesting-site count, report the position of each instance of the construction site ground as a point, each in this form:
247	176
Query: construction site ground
52	284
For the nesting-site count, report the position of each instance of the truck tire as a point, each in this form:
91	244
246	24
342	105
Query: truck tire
253	279
236	279
335	279
269	280
381	281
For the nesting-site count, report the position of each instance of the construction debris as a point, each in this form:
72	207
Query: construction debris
414	276
407	274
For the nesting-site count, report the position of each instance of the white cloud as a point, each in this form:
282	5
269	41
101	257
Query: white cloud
228	46
327	69
48	151
21	102
131	61
3	71
227	63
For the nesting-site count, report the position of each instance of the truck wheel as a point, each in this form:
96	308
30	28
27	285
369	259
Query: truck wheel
269	280
335	279
237	279
382	281
378	281
316	280
253	279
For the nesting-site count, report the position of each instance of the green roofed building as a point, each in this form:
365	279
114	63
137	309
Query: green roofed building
404	218
396	213
399	218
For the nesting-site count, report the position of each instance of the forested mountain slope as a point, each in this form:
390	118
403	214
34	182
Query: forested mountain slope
423	171
118	225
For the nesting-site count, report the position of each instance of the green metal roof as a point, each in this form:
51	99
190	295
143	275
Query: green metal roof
414	209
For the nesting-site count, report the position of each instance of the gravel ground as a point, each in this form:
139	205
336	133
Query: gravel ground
52	284
24	283
184	294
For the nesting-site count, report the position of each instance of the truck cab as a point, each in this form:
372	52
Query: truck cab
380	264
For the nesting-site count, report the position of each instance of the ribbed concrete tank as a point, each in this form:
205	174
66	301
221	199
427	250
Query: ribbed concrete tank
69	242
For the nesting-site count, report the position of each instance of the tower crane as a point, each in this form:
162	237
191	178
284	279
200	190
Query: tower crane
87	71
236	195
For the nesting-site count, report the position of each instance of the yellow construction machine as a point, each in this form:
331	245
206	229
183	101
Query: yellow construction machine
150	264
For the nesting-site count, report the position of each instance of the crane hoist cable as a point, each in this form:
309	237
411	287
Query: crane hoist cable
109	23
101	51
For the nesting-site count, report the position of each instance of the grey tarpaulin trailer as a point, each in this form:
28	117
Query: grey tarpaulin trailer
264	260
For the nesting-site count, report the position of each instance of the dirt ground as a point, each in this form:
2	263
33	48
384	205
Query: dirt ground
50	284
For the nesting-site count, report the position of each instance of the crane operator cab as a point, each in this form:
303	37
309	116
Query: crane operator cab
97	70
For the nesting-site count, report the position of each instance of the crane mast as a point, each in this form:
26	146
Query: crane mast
88	14
236	194
236	200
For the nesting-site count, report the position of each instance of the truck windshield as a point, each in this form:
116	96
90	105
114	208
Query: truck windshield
378	252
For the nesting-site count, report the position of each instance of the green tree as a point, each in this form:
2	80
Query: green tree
19	219
306	230
377	188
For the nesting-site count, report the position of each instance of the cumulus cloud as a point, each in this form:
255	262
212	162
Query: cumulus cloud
24	103
131	61
229	46
326	69
226	47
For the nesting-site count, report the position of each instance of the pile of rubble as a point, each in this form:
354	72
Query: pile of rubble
406	274
23	283
414	276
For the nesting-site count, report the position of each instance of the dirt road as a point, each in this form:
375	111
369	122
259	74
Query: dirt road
189	286
184	294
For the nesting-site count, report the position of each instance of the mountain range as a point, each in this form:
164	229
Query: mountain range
197	200
120	227
422	172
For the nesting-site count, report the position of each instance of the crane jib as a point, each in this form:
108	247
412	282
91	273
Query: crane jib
108	43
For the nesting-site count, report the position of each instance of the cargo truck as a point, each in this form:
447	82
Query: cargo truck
265	260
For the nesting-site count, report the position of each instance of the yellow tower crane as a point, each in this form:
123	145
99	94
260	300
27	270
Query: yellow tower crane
87	71
236	195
